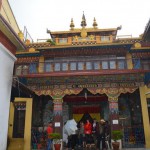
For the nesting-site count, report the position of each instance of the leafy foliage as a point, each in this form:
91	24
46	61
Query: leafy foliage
50	41
56	137
117	135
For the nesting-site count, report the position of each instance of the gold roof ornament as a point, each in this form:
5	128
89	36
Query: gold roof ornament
21	36
83	33
137	45
94	23
32	49
72	24
83	22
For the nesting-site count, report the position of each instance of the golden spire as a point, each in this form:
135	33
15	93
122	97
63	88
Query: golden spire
94	23
72	24
83	22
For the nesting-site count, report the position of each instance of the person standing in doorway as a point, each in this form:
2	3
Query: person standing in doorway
94	127
100	135
88	132
49	130
81	135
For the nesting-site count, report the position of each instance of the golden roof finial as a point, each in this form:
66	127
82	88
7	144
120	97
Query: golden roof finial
94	23
83	22
72	24
21	36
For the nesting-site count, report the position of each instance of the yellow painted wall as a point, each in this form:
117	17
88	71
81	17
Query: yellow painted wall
41	64
7	13
21	143
146	122
129	61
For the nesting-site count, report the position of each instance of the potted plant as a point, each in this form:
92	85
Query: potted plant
51	41
116	135
56	137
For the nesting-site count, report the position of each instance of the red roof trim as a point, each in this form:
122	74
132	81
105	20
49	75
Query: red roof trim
7	43
83	73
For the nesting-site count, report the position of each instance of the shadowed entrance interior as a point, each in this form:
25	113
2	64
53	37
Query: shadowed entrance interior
86	103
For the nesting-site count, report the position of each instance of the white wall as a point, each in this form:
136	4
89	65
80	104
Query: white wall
6	73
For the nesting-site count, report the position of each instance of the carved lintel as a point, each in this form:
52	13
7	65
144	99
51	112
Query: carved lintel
73	91
57	100
109	91
113	99
57	92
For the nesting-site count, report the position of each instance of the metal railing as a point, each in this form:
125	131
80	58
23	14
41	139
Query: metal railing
133	137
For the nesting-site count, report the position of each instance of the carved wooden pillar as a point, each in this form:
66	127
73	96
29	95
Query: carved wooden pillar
58	118
114	113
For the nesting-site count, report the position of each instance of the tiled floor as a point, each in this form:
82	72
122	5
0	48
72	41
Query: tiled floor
109	149
93	148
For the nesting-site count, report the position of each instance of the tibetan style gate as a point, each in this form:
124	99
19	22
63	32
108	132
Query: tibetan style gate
110	85
112	93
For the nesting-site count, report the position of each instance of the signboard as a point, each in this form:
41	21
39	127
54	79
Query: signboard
57	124
115	121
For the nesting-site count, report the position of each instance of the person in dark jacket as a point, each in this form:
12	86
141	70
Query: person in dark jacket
100	131
94	127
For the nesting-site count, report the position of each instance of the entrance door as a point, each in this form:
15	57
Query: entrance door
75	106
19	120
19	131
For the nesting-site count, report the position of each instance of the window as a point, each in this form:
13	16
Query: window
137	63
121	64
73	66
63	40
96	65
80	66
88	65
57	67
19	70
64	66
33	68
145	64
112	64
48	67
25	69
104	65
105	38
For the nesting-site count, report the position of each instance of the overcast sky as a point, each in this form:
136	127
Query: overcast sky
55	15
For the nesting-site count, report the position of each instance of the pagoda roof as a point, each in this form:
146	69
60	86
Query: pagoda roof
128	40
87	50
90	49
80	29
47	45
39	44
